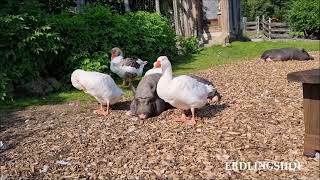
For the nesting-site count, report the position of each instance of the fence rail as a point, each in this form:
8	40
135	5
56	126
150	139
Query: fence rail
272	30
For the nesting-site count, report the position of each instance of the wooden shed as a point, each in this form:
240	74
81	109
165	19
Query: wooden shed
213	21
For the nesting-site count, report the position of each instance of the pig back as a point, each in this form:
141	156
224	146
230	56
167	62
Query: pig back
286	54
147	86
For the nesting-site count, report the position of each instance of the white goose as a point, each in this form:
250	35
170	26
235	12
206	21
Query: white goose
126	68
99	85
154	70
214	96
182	92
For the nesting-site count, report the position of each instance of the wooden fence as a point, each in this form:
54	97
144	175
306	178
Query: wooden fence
251	26
271	30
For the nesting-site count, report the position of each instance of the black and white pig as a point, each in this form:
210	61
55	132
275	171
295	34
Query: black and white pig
146	102
284	54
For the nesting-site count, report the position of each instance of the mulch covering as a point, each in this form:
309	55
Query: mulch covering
260	118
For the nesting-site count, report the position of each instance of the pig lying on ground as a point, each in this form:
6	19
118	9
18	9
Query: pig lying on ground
285	54
146	102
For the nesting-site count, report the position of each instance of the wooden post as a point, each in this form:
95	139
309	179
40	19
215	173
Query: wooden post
126	5
194	18
157	6
269	28
199	17
225	16
176	17
263	25
185	16
311	104
80	4
244	22
258	24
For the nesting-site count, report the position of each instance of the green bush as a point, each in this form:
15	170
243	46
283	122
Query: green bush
27	43
35	7
296	34
270	8
95	63
40	47
188	46
304	16
98	29
85	36
148	35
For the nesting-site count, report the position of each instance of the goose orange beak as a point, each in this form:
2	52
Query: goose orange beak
157	64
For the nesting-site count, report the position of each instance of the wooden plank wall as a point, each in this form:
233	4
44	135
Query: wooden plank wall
186	17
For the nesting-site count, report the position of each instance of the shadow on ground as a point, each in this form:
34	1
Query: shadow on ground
124	105
10	139
209	111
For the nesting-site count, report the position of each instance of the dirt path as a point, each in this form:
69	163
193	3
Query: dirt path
260	118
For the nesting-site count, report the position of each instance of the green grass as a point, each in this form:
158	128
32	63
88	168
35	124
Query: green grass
55	98
206	58
238	51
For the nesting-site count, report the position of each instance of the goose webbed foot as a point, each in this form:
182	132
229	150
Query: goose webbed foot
191	122
183	118
102	111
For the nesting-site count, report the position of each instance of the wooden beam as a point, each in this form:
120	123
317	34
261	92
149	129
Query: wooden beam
186	23
225	16
80	4
176	17
194	18
157	6
126	5
199	17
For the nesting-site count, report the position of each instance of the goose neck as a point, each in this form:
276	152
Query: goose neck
168	73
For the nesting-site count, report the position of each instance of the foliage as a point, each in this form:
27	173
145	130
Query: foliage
57	6
26	48
95	63
270	8
150	36
296	34
116	5
86	36
304	16
46	46
91	35
188	46
35	7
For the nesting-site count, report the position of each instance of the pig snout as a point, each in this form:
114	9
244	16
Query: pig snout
215	98
142	116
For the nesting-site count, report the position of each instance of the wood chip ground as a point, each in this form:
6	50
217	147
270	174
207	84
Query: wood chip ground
260	118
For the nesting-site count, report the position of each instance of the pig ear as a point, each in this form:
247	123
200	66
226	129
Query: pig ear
145	62
303	50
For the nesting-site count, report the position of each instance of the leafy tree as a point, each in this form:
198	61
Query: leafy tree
304	16
35	7
270	8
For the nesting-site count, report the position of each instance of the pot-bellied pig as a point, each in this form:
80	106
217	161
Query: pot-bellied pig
146	102
284	54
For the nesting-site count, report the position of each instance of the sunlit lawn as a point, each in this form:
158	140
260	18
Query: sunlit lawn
206	58
238	51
